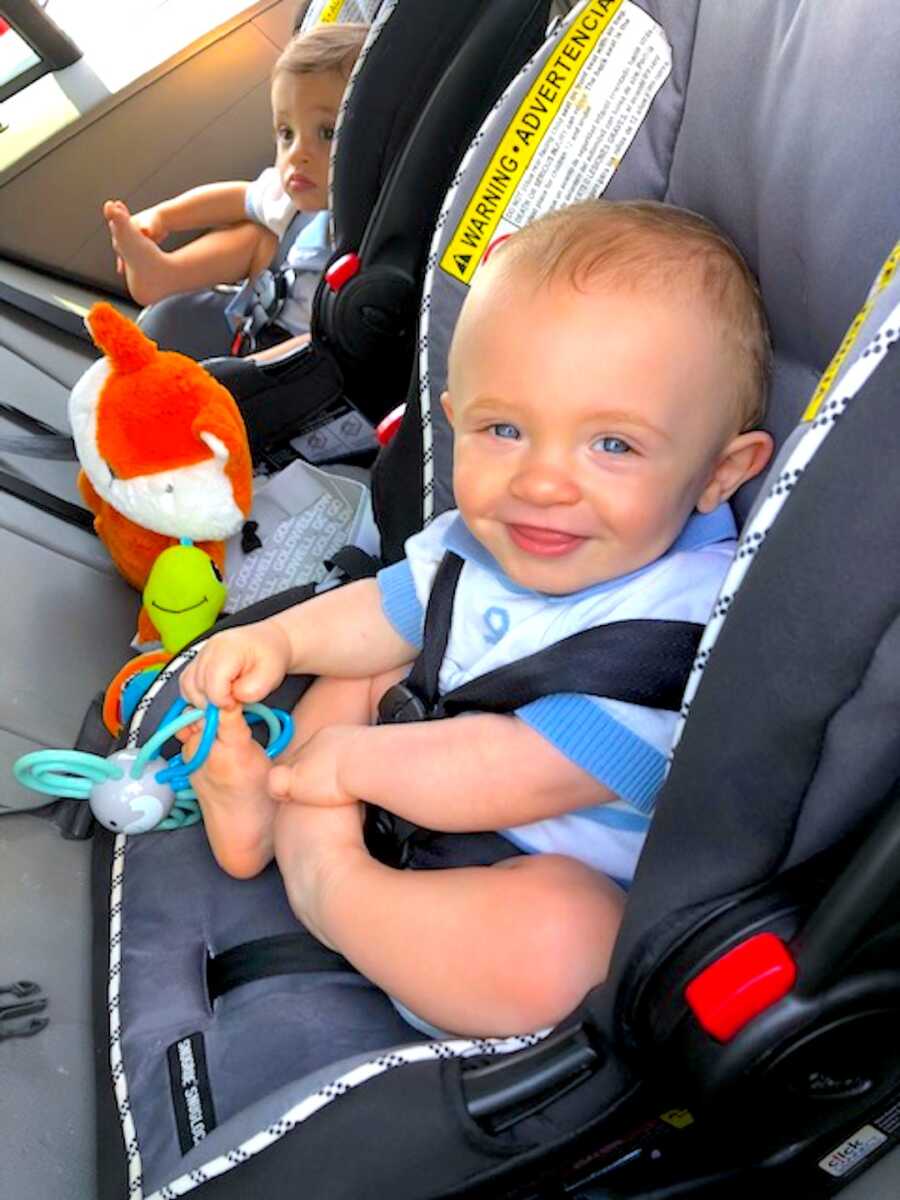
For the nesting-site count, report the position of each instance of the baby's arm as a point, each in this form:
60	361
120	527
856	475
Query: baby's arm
342	632
235	248
210	206
477	772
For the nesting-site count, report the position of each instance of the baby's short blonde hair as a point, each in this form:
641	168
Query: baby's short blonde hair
326	47
647	244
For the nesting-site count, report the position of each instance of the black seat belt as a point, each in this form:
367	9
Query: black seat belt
643	662
43	441
31	494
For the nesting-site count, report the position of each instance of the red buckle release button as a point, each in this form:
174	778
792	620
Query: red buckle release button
341	270
740	985
388	426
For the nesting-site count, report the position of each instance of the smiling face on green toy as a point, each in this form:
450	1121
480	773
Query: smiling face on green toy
183	595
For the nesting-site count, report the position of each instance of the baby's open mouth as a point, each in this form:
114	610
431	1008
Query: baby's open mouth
550	543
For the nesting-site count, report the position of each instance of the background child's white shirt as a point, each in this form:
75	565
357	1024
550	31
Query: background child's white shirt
625	746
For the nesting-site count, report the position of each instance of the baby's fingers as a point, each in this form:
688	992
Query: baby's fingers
256	682
191	686
210	679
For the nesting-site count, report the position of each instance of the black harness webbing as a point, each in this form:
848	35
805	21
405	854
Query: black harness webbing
38	498
642	662
44	441
281	954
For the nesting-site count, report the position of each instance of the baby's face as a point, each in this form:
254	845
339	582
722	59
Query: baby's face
304	112
587	425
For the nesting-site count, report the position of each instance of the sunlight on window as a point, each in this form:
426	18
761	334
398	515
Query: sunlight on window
31	116
122	39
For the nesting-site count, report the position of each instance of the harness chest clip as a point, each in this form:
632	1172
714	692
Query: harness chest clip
400	705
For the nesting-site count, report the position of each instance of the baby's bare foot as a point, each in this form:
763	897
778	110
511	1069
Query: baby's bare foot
231	787
148	272
314	847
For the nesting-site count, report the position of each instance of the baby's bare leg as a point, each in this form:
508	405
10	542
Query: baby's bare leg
223	256
484	950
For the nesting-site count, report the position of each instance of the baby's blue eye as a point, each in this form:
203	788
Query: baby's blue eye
612	445
284	133
326	133
503	430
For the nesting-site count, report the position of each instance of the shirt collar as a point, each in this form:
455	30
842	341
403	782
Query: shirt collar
700	529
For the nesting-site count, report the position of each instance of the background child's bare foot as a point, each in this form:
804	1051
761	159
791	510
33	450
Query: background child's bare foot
148	272
234	798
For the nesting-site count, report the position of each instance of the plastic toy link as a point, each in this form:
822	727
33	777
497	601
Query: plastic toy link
134	791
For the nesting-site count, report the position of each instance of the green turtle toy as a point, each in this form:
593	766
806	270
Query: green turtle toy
183	595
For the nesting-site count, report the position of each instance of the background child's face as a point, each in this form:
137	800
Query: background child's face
304	111
587	424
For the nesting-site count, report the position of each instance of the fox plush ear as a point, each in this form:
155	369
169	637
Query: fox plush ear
222	430
126	347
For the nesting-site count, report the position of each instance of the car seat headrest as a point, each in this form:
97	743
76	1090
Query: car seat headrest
770	127
783	145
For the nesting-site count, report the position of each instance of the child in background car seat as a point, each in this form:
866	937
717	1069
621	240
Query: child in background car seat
249	219
605	379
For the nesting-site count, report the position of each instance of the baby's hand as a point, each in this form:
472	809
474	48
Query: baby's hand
314	775
238	666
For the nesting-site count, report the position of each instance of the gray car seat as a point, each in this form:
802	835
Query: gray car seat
789	749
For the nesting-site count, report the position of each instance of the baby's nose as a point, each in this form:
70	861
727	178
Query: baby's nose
299	151
544	484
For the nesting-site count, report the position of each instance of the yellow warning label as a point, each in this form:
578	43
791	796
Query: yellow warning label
679	1118
523	136
331	11
884	278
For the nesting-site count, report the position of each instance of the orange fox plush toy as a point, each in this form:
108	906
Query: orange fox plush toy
163	450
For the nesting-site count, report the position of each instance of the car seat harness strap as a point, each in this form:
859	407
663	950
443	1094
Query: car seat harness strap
262	298
37	497
644	662
281	954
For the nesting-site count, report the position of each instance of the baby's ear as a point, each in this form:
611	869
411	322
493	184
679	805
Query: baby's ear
447	405
743	458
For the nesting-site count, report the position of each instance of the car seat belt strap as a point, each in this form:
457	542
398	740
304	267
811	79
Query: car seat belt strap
262	298
423	678
281	954
645	662
72	514
44	441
